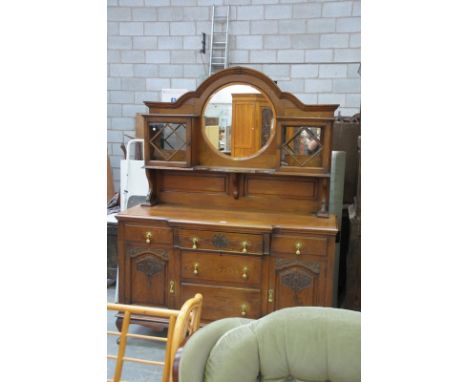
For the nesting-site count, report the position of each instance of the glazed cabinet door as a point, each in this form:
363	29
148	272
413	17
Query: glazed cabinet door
146	276
305	145
168	141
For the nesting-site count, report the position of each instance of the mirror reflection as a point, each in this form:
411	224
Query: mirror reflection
301	146
238	120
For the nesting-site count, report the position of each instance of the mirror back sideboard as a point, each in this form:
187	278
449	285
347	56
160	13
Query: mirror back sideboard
252	234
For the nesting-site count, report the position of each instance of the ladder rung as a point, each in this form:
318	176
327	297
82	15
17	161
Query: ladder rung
217	63
222	18
220	43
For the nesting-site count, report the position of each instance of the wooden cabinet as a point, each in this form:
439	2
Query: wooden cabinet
251	232
299	270
146	275
249	116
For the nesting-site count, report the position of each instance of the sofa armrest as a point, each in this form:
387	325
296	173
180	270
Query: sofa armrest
190	360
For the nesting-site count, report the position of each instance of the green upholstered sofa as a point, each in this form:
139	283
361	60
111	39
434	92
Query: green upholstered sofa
310	344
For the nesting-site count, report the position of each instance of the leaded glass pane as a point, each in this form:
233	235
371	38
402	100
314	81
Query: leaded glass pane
167	141
301	146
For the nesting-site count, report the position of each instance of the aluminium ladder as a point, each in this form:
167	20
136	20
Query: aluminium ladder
219	49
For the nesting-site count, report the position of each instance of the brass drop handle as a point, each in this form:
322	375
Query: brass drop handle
195	269
298	248
243	309
148	237
244	246
194	242
270	295
171	286
245	276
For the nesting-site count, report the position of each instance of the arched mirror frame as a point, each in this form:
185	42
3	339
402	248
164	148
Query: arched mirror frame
286	106
266	157
269	141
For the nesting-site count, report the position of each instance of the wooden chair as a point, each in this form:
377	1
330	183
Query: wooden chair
182	324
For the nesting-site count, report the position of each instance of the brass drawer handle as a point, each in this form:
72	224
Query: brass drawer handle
298	248
244	246
171	286
194	242
195	269
148	237
270	295
245	275
243	309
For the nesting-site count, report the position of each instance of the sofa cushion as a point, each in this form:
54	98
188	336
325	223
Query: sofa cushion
234	358
301	344
309	344
197	349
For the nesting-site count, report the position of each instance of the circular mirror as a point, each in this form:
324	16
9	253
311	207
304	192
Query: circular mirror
238	121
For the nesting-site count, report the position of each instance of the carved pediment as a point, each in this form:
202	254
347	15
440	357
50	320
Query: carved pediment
313	266
138	251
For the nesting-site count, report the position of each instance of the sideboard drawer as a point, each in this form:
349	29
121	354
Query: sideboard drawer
220	241
241	269
299	245
221	302
148	234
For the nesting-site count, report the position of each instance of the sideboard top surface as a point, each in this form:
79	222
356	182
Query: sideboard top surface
214	218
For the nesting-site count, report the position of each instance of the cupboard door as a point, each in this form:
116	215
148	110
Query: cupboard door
305	145
298	282
146	276
243	139
168	141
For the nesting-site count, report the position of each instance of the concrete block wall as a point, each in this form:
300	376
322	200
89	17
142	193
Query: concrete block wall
311	48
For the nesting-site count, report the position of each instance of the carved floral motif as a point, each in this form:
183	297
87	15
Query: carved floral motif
149	267
296	281
220	241
136	251
312	266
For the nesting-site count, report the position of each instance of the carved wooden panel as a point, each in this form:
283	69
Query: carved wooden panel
220	241
313	266
149	267
135	251
147	276
297	283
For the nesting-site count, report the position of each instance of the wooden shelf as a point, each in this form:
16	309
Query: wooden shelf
241	170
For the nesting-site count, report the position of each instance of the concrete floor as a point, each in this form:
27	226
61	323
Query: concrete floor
137	348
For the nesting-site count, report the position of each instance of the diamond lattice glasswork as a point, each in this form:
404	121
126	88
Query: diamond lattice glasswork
168	141
300	145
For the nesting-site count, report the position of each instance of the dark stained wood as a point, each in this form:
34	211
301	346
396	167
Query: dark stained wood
352	299
346	131
228	228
